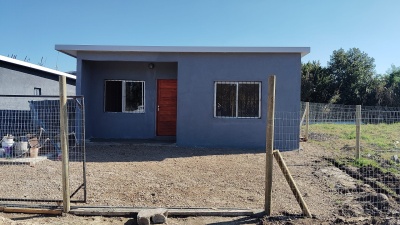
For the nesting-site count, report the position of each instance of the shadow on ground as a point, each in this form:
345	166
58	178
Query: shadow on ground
135	151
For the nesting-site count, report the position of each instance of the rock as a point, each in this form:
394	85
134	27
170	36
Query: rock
143	220
395	158
146	216
159	218
391	221
393	212
356	220
381	197
340	219
381	201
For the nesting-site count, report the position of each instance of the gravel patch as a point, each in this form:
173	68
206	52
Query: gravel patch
163	175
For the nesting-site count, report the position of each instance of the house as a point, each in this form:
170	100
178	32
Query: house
22	78
20	84
200	96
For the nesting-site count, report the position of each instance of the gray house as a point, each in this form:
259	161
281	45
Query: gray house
22	78
26	79
200	96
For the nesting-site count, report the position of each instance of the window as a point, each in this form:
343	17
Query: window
124	96
237	99
37	91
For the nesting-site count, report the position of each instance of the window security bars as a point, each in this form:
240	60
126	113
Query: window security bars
237	99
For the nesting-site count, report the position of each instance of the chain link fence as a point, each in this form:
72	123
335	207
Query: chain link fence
30	153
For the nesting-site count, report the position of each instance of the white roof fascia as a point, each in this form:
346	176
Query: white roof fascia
72	50
37	67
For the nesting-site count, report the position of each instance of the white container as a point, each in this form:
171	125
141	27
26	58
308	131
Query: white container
8	141
20	147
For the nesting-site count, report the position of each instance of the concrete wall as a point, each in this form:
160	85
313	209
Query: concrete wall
19	80
101	124
196	74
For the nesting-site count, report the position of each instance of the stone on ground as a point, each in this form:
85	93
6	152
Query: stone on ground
146	216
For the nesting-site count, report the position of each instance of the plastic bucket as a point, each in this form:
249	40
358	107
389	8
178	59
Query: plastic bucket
20	147
34	152
7	141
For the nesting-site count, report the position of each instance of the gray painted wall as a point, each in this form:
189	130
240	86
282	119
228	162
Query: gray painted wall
102	124
196	74
19	80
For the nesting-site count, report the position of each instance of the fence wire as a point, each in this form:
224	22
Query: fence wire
30	153
332	179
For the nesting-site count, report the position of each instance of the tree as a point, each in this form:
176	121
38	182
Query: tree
393	86
379	94
316	83
352	73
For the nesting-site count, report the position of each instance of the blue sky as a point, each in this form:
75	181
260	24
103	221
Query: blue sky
32	28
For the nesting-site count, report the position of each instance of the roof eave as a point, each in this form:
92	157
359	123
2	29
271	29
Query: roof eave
36	67
72	50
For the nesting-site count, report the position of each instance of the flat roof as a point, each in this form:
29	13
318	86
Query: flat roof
36	67
73	50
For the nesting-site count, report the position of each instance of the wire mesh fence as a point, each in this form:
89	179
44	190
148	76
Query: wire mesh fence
30	153
327	174
334	180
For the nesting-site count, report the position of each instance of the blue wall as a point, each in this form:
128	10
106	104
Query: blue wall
102	124
196	74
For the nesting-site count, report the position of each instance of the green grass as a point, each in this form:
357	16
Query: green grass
365	162
373	136
376	140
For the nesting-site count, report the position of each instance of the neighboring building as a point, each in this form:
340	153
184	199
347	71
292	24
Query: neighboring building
23	78
202	96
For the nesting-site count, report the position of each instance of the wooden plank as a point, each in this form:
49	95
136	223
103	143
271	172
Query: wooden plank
64	143
292	184
210	212
269	144
32	211
116	211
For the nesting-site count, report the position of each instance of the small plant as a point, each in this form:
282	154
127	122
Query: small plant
365	162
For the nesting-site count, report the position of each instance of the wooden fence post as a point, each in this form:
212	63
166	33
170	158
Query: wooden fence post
307	119
292	184
269	144
358	131
64	143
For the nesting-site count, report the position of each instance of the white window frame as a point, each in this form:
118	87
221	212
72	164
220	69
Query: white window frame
123	110
237	98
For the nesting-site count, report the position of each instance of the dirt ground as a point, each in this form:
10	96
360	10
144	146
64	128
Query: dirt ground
163	175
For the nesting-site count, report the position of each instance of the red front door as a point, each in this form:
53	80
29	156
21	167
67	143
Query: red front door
166	107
